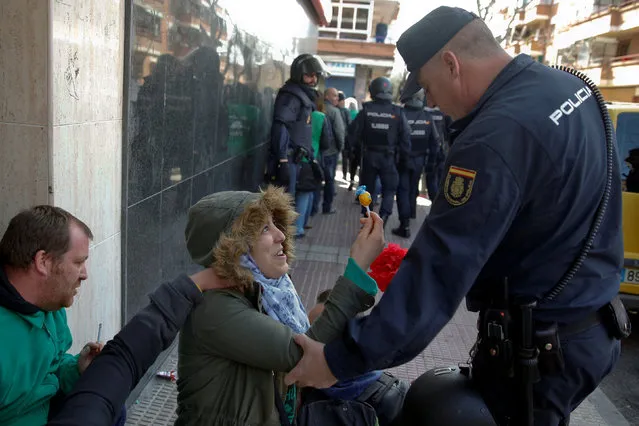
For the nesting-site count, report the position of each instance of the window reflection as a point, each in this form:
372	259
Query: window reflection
200	103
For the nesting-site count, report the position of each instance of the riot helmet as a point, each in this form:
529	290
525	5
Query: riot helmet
416	101
445	396
307	64
381	88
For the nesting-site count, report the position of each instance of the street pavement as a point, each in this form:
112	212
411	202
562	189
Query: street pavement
320	259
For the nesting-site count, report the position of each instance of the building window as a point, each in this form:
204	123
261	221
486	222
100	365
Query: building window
588	53
327	34
347	18
362	20
147	22
333	23
352	20
623	47
601	5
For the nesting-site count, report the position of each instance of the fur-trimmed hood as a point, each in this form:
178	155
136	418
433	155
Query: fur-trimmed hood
222	226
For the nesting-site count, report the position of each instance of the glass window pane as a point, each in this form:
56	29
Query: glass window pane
362	20
347	18
333	23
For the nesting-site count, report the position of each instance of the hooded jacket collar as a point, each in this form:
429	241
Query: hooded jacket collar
11	299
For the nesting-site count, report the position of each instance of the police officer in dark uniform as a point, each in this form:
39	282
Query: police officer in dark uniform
435	168
291	132
423	138
381	135
527	228
346	117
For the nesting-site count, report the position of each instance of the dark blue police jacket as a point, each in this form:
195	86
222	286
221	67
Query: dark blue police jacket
424	138
525	175
292	119
442	124
381	125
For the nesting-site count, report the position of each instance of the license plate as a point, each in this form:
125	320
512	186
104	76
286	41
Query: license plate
630	276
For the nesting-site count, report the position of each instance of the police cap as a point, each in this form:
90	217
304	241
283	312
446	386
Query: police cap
425	38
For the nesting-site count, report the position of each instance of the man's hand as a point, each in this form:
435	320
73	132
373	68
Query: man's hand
207	279
312	370
370	241
88	354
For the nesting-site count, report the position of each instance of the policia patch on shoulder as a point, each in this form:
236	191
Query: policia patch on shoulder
458	185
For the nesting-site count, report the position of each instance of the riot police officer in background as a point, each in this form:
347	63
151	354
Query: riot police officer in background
381	135
435	169
423	139
526	228
346	117
291	132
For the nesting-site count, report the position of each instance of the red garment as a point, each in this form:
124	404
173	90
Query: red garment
383	269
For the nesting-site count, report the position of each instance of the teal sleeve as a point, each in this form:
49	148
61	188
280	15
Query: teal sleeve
360	278
68	372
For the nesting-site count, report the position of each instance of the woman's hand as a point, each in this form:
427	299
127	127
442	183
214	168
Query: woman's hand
369	242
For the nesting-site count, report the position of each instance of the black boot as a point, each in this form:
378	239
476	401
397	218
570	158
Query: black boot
403	230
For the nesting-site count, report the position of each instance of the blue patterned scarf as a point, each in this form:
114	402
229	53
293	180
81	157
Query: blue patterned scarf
279	298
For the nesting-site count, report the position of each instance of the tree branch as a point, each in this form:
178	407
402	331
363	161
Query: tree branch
484	11
510	23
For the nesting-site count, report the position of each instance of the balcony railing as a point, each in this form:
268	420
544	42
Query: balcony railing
621	4
615	11
535	12
596	25
625	60
356	48
621	71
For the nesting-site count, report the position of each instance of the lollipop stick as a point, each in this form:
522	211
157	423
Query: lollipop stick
368	212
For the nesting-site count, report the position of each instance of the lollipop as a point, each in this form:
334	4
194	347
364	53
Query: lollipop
364	198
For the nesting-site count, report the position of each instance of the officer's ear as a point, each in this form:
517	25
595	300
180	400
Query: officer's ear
451	64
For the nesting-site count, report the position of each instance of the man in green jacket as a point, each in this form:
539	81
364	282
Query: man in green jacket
43	256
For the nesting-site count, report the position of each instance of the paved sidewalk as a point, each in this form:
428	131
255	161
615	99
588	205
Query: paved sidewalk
321	257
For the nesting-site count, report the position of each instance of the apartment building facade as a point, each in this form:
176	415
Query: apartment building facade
349	48
599	38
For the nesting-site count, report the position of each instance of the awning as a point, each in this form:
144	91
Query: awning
341	69
320	11
384	63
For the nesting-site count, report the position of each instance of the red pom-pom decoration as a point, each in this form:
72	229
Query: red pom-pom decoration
384	268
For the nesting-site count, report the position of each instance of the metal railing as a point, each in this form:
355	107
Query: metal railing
625	58
623	3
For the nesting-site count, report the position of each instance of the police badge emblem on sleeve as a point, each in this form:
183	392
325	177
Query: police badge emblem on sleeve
458	185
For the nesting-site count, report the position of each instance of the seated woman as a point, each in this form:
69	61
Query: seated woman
237	345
